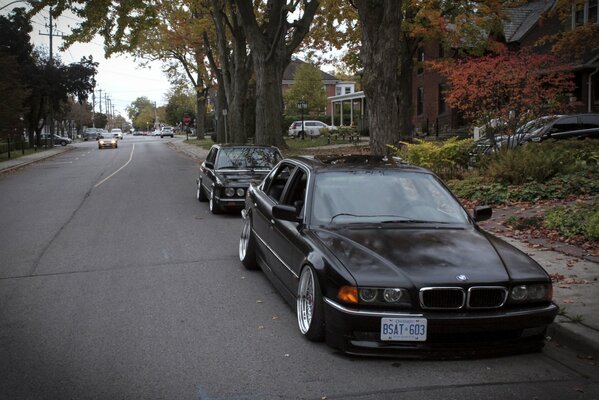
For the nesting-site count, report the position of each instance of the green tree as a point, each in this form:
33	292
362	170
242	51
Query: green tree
138	106
307	86
180	101
273	34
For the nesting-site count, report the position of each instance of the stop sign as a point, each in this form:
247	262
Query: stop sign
186	119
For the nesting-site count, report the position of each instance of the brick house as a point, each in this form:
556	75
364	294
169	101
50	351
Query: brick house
524	26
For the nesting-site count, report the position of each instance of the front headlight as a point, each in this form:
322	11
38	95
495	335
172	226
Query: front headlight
373	295
240	192
101	141
229	192
531	293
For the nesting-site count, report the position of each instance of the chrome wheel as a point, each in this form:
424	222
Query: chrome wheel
310	314
214	209
305	300
247	248
244	240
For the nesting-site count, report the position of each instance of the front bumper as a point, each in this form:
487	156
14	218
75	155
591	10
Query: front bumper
449	334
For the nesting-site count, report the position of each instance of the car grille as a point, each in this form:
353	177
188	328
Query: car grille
446	298
486	297
453	298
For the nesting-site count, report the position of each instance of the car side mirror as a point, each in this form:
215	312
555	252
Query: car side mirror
208	165
482	213
286	213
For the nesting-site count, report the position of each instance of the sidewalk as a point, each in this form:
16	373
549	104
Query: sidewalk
575	271
15	163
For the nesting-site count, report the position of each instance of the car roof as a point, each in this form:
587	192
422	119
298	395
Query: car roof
352	162
233	145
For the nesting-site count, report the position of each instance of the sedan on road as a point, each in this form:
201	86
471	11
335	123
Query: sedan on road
228	171
379	257
107	140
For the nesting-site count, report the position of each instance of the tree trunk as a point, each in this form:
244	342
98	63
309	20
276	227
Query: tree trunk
269	101
381	30
405	97
200	114
221	104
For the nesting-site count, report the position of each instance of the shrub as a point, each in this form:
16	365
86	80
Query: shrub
577	219
448	159
524	223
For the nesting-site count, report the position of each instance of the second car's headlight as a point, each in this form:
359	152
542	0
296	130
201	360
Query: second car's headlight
229	192
531	293
240	192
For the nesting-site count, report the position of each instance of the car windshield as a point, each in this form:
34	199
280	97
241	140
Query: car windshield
383	196
247	157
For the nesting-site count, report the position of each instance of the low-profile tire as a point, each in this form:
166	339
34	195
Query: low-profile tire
213	204
200	194
247	245
310	313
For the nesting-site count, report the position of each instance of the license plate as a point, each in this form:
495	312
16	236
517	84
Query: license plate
404	329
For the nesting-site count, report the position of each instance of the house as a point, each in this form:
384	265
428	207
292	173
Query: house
332	85
524	26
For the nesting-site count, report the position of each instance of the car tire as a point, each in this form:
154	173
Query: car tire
213	204
247	245
200	194
310	313
161	137
63	143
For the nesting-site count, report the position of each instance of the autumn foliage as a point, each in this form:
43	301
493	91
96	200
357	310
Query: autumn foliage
513	87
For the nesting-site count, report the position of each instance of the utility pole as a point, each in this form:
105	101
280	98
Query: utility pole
93	108
50	27
100	102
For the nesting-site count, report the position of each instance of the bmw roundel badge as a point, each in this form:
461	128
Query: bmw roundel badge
462	278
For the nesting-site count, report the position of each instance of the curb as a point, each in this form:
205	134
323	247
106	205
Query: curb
579	338
41	157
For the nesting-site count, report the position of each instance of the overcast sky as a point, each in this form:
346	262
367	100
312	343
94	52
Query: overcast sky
119	76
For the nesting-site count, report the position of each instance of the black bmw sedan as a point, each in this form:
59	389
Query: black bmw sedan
379	257
228	171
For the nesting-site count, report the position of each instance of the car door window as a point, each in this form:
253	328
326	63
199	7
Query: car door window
277	183
212	155
296	192
590	122
565	125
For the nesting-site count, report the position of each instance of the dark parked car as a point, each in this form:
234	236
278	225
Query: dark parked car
379	257
61	140
228	171
578	126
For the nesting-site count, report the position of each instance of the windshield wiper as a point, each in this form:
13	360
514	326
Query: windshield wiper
411	221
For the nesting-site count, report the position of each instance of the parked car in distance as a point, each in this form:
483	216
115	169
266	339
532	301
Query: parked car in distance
311	128
108	140
90	134
118	133
406	271
167	131
157	132
228	171
61	140
577	126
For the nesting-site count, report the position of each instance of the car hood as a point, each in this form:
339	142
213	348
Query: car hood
422	256
241	176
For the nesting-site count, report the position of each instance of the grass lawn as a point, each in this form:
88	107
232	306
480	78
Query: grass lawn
18	153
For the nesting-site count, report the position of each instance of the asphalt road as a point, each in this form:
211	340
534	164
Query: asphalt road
115	283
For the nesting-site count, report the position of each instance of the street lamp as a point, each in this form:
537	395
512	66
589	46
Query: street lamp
302	105
225	111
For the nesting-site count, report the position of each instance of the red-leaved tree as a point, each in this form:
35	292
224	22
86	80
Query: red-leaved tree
506	90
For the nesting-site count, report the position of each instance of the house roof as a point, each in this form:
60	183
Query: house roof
521	20
289	74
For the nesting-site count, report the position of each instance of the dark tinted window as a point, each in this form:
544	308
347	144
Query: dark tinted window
247	157
590	121
565	124
277	181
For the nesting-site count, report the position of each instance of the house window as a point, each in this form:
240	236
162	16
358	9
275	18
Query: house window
593	11
420	61
578	14
441	98
420	101
347	90
337	90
